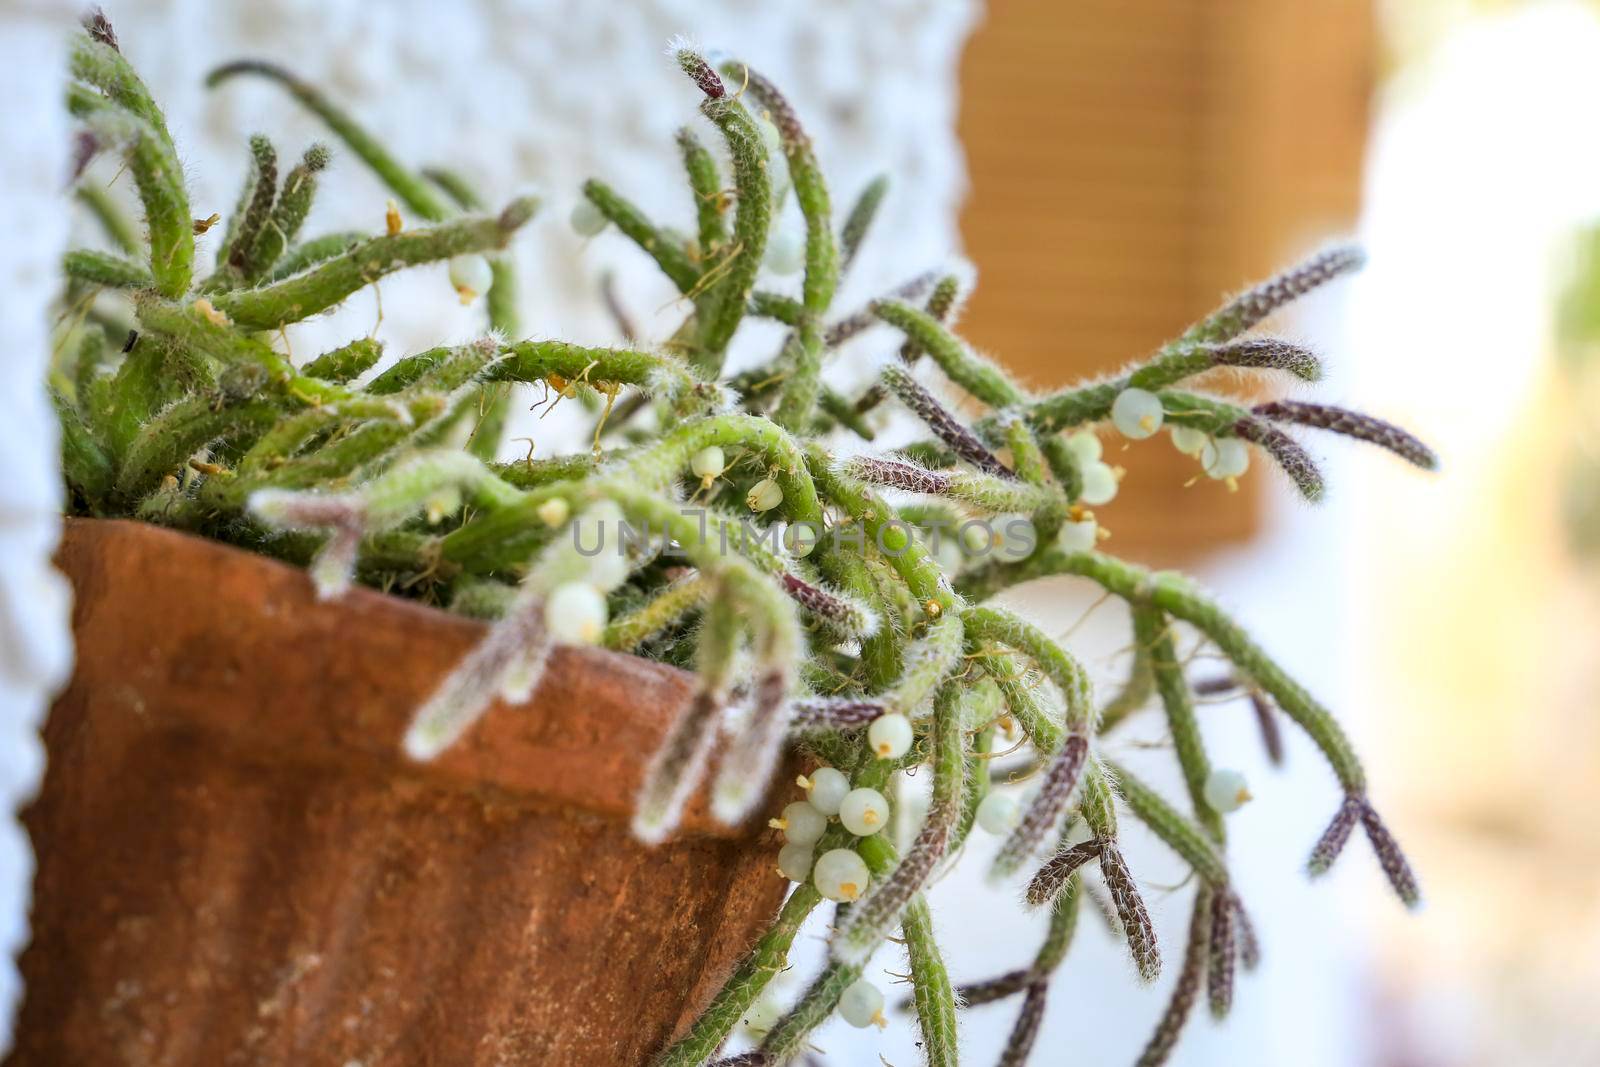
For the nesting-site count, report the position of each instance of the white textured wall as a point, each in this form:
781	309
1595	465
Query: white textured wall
35	649
547	94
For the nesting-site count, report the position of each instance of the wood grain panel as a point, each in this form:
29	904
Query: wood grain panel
1133	162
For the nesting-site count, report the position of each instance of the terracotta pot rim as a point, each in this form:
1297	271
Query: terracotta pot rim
545	751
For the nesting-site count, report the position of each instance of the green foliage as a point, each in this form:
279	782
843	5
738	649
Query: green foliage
329	284
739	541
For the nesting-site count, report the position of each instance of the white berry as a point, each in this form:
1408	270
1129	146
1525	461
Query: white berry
1099	484
576	613
1079	536
1084	444
839	874
470	276
1136	413
803	824
764	495
587	219
708	464
786	252
864	812
889	736
827	788
1188	440
861	1004
997	813
794	861
1226	790
1225	457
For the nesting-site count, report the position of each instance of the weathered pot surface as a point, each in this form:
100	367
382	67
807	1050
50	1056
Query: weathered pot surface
238	866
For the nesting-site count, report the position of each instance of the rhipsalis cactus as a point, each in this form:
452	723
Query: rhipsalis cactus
827	597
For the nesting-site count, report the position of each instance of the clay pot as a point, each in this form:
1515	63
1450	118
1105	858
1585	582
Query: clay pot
236	865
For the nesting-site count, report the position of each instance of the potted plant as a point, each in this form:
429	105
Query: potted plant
387	835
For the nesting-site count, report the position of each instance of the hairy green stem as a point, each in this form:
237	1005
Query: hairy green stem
1192	843
668	254
1153	633
159	178
1180	598
303	295
766	960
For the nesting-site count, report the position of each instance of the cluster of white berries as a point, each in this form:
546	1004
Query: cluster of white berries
1224	457
839	874
861	1005
470	276
1099	477
1220	457
1137	414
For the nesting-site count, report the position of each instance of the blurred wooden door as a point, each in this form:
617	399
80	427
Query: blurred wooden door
1133	161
